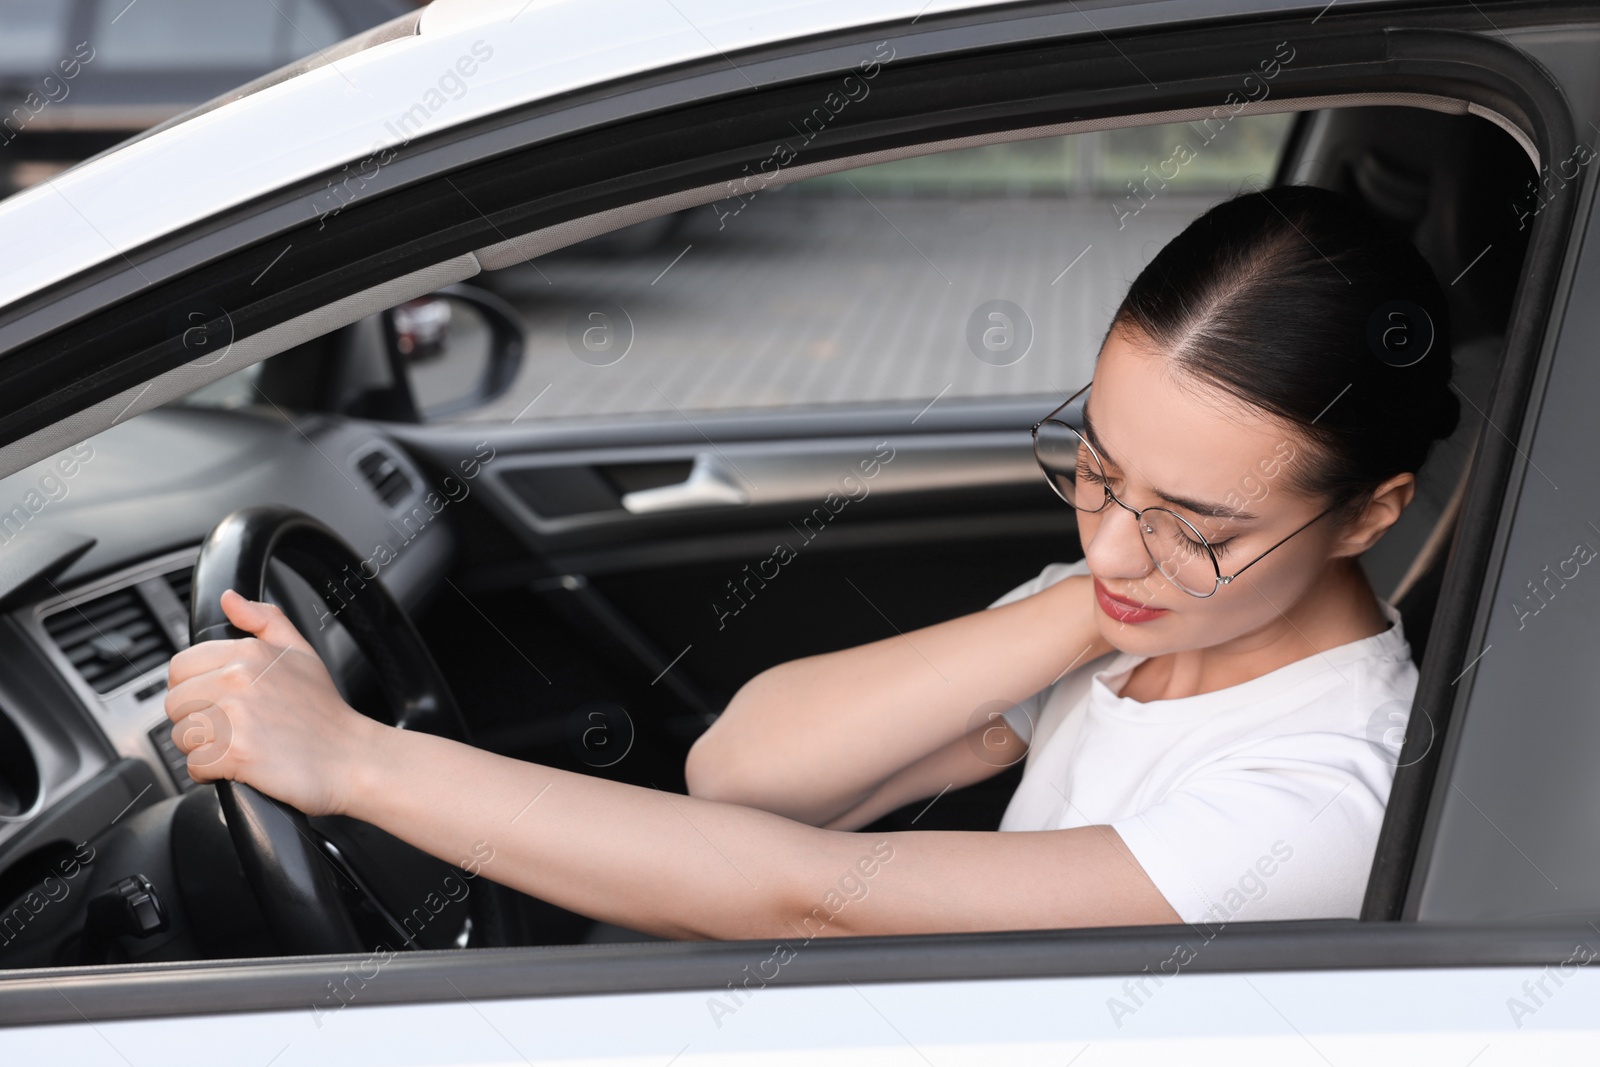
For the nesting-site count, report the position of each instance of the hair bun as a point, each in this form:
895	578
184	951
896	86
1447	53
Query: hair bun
1447	415
1284	297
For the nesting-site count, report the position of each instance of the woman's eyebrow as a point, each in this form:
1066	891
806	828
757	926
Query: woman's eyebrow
1199	507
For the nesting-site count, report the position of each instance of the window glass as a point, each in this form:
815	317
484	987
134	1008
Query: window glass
988	271
163	35
34	35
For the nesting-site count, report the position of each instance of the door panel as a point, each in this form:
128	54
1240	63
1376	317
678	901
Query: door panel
842	538
1376	1017
554	493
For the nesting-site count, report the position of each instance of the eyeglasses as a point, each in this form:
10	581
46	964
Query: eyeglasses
1075	471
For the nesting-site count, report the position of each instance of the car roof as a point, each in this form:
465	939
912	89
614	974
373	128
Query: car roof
343	111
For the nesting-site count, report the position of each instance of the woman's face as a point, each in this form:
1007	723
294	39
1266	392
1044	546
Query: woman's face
1176	443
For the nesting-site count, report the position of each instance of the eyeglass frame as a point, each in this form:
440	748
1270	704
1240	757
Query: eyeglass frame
1138	513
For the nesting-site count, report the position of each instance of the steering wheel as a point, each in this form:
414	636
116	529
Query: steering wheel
295	880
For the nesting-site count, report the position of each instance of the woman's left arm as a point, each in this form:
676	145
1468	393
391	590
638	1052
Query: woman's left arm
263	710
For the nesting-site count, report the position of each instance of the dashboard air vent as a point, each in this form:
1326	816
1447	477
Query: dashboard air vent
180	581
111	639
387	478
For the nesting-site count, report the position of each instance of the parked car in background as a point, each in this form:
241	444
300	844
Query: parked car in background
78	76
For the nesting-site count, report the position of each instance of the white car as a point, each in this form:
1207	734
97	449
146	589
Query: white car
377	321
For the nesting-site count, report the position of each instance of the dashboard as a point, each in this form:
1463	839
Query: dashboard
97	548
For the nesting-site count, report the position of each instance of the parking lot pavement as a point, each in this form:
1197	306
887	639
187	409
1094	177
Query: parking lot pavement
801	298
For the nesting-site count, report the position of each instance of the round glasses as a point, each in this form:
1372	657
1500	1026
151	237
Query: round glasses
1074	469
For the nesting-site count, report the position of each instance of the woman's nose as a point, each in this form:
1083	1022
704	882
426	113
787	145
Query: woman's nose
1115	548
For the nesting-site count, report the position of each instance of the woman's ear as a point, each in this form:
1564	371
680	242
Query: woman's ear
1382	510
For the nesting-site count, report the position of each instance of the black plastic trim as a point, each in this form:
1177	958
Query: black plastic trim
123	787
444	442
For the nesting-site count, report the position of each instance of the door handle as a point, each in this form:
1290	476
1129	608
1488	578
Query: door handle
709	485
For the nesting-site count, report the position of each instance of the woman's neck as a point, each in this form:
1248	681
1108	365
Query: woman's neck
1339	608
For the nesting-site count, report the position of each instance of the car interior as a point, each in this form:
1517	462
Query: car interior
594	581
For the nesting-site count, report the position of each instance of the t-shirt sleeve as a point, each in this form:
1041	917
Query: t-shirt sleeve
1022	717
1283	828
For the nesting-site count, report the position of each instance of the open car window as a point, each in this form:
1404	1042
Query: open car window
849	291
979	272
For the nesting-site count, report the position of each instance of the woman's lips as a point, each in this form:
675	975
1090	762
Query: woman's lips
1122	609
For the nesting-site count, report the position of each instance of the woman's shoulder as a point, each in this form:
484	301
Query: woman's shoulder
1385	684
1360	691
1379	664
1378	668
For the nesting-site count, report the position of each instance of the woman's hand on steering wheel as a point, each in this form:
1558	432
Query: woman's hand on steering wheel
264	710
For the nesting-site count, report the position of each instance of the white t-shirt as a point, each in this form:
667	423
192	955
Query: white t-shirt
1259	801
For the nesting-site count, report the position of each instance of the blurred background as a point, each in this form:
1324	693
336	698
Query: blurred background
132	65
846	288
863	286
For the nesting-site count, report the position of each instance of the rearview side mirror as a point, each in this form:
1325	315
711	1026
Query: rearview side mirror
454	349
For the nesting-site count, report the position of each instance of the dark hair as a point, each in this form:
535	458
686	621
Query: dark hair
1283	298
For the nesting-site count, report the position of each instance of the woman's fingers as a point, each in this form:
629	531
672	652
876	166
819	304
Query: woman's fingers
266	621
205	735
269	715
205	657
202	728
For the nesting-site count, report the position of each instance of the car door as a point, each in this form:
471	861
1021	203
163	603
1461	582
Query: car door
1279	989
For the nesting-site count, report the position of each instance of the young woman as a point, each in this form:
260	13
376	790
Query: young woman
1196	695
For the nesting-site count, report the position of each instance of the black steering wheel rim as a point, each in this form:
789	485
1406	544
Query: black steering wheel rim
292	880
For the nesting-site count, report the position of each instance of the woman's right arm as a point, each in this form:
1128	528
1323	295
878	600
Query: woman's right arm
837	739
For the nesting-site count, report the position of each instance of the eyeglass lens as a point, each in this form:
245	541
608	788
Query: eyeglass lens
1078	478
